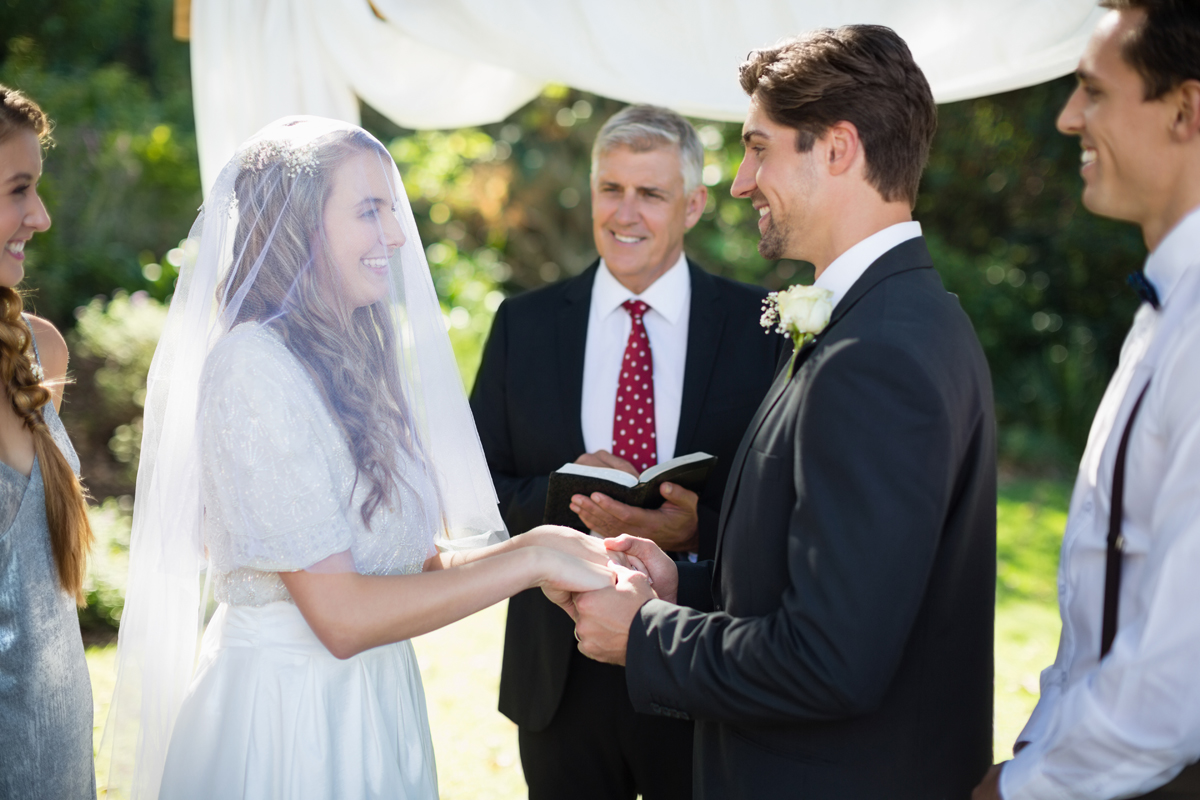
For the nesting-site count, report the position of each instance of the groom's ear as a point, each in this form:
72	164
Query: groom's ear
843	148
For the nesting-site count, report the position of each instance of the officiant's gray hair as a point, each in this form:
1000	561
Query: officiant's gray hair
642	128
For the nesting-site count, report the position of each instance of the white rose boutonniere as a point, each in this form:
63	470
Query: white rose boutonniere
800	312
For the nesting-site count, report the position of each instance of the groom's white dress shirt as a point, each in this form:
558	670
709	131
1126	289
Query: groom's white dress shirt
847	268
1126	725
666	322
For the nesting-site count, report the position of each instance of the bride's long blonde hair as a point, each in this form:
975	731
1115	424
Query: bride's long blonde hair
349	352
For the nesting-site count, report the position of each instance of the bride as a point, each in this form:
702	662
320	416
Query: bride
308	447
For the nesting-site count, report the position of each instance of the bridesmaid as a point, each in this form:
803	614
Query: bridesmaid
45	694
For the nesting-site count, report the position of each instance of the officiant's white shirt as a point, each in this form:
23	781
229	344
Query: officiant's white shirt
1126	725
666	322
847	268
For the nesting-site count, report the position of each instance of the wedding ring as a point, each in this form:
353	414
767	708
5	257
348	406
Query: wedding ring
576	632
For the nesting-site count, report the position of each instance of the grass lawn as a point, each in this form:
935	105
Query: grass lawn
477	747
1030	517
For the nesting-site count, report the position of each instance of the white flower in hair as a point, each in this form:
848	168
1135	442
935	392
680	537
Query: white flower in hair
297	157
800	313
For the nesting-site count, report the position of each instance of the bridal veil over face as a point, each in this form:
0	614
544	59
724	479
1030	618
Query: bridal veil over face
307	237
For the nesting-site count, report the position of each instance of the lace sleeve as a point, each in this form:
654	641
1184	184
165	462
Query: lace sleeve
278	475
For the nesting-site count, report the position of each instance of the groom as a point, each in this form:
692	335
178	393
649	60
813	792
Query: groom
840	646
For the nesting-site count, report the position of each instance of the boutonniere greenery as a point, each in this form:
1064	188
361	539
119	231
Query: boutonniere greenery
800	312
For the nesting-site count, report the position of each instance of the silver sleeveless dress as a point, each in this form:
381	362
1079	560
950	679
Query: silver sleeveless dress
45	693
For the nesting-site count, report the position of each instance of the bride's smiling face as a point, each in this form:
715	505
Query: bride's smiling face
361	229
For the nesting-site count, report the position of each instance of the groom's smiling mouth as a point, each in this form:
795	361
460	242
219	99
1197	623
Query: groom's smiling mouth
764	217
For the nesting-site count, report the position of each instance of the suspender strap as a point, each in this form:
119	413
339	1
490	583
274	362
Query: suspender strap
1116	542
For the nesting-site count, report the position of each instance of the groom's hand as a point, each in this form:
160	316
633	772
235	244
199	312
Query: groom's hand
989	787
675	526
603	617
664	575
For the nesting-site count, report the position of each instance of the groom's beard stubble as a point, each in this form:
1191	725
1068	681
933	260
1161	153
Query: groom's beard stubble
773	242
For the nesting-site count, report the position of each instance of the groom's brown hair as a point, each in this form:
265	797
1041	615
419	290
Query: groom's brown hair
863	74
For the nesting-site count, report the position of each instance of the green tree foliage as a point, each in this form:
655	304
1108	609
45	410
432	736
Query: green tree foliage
505	207
122	182
1042	278
111	347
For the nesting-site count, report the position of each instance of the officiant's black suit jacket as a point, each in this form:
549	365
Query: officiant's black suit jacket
526	401
848	650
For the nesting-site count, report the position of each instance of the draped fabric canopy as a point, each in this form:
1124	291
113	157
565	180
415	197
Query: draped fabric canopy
453	63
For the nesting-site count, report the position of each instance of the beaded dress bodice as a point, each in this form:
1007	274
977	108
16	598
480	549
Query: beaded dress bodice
280	488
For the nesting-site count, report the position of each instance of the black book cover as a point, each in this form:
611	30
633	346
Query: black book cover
690	471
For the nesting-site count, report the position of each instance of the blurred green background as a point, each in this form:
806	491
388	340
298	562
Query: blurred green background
505	207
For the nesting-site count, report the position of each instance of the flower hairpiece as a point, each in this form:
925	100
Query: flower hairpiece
800	313
296	158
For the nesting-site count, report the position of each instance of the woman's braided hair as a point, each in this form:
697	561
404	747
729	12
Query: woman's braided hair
66	503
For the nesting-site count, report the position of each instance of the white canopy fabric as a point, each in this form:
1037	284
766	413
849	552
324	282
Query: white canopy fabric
453	63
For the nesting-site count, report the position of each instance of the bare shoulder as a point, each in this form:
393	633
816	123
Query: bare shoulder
52	348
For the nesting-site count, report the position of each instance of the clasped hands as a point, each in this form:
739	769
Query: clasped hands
642	571
602	616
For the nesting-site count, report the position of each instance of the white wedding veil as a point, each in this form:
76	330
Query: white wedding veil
306	250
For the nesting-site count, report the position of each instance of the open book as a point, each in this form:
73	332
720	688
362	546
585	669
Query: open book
690	472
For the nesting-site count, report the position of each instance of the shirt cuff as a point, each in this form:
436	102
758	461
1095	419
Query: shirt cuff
1022	778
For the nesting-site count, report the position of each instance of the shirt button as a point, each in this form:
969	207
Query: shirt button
1087	506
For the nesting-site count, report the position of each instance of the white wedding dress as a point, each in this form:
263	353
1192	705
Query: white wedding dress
270	712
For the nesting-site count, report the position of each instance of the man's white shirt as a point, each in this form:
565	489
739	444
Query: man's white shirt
846	269
1127	725
609	324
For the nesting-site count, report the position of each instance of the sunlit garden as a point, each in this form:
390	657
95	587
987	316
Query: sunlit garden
504	208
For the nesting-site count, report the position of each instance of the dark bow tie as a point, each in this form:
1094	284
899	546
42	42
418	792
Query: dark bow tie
1144	288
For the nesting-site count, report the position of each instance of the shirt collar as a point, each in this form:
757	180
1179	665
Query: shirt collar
847	268
1175	254
668	296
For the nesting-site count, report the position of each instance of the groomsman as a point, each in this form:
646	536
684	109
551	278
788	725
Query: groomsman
841	644
547	393
1119	713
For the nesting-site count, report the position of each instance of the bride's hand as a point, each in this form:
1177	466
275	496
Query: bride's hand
568	541
571	542
562	576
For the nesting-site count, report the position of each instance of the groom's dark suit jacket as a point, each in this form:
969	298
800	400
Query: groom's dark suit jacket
526	402
847	650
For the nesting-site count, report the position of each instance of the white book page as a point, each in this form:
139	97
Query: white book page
652	472
603	473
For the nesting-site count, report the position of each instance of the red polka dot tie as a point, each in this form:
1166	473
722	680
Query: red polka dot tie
633	417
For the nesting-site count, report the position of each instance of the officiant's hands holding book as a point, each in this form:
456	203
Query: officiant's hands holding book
606	460
673	526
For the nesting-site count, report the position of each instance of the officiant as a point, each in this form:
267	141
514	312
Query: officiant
547	394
